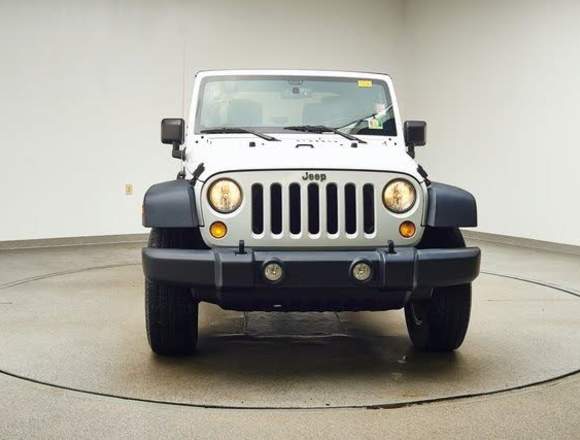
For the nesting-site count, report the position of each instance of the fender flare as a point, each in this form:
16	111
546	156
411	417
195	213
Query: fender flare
170	205
449	206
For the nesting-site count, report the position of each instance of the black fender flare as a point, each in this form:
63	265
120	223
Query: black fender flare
170	205
449	206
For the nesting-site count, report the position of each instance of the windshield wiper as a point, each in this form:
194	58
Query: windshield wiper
323	129
218	130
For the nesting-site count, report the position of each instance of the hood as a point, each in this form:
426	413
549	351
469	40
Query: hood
222	153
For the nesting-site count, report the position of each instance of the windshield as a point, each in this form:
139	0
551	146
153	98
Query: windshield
275	103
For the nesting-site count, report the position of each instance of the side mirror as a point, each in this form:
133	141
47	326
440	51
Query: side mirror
173	133
415	135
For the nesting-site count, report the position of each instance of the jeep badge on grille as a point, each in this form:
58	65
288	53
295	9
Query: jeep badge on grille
321	177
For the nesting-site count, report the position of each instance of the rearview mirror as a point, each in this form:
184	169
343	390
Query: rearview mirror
172	131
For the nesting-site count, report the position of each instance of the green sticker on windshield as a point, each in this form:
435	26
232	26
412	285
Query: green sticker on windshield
375	124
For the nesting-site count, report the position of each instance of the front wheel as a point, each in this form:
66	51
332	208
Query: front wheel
171	315
440	324
171	311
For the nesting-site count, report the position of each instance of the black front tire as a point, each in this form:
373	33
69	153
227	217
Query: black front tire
440	323
171	311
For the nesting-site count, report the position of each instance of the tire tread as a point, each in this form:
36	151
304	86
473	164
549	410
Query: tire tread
171	312
448	310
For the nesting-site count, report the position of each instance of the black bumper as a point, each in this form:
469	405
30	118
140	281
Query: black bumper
235	280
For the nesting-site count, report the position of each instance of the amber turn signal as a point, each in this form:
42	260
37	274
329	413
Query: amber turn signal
218	230
407	229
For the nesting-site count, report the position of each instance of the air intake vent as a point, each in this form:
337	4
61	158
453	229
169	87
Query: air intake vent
350	208
369	208
313	208
331	208
257	208
295	208
276	208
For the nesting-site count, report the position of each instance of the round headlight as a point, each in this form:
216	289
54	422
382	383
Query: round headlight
399	196
225	196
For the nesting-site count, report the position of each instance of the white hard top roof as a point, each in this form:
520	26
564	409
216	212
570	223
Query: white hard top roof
292	72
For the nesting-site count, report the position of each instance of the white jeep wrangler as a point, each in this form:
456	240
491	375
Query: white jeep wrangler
299	192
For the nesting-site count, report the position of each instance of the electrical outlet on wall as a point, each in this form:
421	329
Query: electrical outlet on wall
128	189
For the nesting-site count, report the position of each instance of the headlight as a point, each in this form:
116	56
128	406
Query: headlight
225	196
399	196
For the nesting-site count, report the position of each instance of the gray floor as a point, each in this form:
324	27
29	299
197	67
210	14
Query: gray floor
76	363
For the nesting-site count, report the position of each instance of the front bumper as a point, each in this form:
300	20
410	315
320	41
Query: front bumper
235	280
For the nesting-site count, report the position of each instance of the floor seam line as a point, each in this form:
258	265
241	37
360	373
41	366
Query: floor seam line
377	406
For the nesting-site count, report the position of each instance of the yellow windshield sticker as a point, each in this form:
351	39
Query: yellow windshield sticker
365	83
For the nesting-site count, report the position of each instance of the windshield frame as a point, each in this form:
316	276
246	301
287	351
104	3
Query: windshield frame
204	77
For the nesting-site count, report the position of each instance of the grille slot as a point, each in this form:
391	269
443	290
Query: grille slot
350	208
276	208
368	208
313	208
331	208
294	213
257	208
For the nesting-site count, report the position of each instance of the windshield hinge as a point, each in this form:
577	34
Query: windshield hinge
423	174
198	171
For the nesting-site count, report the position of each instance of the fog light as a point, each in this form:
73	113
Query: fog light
407	229
273	272
362	271
218	230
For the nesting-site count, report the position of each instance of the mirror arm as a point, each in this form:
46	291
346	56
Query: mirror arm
176	152
411	151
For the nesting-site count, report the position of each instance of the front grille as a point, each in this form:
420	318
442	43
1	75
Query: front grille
315	209
324	209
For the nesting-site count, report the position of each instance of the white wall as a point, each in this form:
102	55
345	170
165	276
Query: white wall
499	84
84	86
